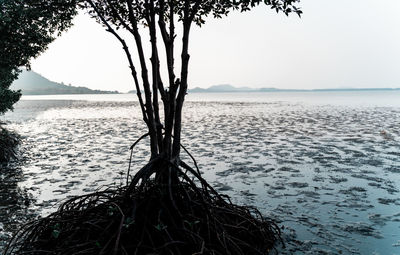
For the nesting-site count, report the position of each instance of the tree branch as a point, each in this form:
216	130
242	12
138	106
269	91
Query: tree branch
168	39
155	72
146	84
128	55
183	85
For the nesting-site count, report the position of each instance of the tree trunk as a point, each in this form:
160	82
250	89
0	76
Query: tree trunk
182	91
155	74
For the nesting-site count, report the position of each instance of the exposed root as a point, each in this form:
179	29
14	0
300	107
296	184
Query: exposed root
150	218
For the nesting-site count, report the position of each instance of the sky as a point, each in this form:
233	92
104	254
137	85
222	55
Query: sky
336	44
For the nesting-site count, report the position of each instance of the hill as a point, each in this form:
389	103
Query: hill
31	83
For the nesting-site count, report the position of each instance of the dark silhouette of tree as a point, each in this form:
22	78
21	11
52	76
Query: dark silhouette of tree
167	207
161	17
26	29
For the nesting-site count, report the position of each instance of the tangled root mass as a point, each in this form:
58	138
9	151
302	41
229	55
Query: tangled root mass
148	217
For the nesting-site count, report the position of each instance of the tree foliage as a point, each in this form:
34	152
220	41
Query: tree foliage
26	29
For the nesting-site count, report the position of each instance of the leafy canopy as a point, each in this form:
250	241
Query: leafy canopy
26	29
117	12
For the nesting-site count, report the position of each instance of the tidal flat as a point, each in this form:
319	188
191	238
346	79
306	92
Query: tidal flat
328	174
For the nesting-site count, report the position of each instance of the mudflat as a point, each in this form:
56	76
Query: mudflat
328	173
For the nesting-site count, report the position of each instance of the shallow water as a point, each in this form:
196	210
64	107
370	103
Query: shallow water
328	172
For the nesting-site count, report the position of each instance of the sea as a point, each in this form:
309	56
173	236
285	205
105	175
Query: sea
325	166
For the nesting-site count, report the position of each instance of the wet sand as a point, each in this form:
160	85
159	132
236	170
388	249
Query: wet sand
330	175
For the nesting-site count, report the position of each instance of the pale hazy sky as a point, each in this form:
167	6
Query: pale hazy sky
336	44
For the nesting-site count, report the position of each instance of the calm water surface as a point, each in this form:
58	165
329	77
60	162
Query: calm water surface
325	165
360	98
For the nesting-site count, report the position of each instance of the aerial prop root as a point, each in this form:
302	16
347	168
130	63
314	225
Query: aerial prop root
189	217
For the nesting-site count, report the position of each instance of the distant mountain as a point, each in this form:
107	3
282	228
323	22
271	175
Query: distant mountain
230	88
31	83
226	88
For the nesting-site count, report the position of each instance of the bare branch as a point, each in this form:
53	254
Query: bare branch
183	85
128	55
155	71
146	84
120	19
169	48
161	22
